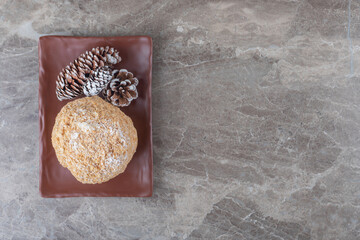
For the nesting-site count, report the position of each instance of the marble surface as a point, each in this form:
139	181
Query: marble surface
256	120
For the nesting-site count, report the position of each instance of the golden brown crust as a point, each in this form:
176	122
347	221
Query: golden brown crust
93	139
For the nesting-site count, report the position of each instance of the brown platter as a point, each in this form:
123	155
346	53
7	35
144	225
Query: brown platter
55	52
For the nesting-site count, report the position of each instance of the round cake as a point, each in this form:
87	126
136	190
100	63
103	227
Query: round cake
93	139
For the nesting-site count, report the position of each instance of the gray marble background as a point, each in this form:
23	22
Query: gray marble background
255	120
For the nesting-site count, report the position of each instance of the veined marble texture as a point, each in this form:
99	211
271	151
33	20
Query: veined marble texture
256	120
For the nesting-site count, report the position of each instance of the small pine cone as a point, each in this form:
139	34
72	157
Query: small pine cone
122	88
98	81
73	77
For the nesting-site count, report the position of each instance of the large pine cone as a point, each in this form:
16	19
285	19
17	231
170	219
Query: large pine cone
121	90
98	81
73	77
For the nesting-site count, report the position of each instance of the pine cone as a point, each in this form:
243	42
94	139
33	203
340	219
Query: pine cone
98	81
73	77
121	90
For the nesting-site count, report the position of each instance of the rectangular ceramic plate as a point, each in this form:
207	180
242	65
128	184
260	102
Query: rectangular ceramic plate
55	52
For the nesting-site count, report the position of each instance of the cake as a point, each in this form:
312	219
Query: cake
93	139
